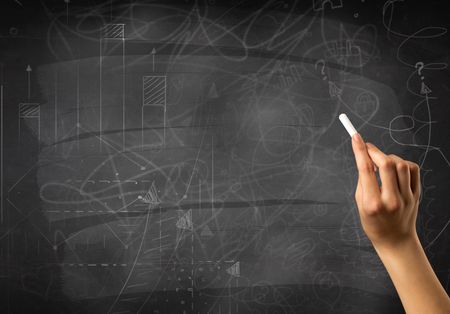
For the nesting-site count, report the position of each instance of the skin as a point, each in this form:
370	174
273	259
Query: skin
388	216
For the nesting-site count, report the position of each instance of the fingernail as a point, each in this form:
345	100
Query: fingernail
358	139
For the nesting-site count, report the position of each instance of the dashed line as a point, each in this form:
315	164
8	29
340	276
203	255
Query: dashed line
106	181
126	264
94	265
94	211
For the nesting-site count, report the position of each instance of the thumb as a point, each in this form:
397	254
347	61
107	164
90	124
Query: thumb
360	150
364	164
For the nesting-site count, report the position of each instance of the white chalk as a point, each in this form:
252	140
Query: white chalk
347	124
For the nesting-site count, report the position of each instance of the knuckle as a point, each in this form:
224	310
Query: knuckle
387	163
393	204
414	166
410	198
418	194
402	166
374	207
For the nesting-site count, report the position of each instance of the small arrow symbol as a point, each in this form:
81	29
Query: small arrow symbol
67	10
424	90
334	90
213	92
29	80
153	59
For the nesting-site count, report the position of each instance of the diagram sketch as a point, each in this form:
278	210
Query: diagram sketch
187	156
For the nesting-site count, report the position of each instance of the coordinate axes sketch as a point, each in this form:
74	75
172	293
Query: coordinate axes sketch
187	156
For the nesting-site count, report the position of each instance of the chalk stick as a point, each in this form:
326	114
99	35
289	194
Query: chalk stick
347	124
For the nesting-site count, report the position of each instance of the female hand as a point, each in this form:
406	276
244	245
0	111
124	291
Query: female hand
388	213
388	216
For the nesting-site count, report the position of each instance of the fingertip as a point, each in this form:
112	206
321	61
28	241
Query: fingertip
373	148
370	147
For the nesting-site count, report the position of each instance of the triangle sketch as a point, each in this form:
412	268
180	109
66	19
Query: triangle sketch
334	90
206	232
424	89
185	221
213	91
151	197
234	270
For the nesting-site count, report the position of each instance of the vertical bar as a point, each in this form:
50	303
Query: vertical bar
1	154
78	105
39	130
100	99
155	98
160	235
123	93
212	177
165	102
19	125
56	106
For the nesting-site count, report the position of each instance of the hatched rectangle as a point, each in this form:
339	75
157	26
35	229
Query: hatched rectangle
114	31
29	110
154	90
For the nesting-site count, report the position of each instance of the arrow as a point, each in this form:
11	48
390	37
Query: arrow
213	92
67	10
334	90
110	10
424	90
153	59
29	80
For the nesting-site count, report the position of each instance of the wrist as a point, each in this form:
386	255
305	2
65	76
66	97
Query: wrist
398	247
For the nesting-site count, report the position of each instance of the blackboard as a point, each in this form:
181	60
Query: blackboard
186	156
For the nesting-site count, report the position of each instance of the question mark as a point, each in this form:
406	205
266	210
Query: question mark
321	61
420	66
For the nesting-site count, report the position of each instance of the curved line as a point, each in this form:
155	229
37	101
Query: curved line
132	268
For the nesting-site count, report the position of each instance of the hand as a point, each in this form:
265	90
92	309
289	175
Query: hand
388	213
388	216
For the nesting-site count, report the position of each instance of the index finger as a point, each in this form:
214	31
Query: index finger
365	167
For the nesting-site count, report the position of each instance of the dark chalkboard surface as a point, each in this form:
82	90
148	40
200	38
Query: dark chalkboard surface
186	156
